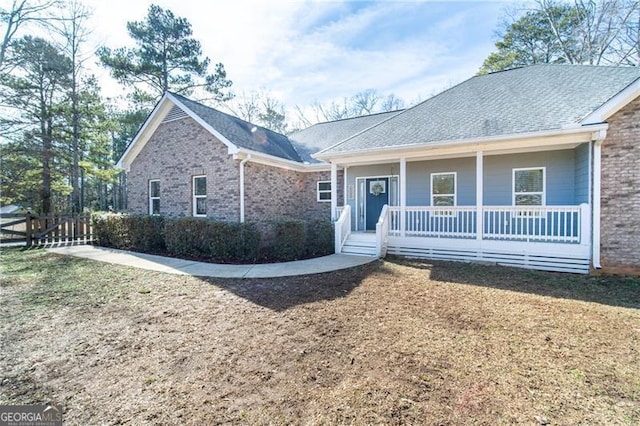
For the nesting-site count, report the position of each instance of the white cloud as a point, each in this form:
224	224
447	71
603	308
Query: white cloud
306	51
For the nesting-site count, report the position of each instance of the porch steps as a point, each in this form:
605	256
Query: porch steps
360	243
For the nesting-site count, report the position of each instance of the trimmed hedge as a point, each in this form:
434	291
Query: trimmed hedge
320	238
186	237
226	241
146	233
290	239
109	230
277	240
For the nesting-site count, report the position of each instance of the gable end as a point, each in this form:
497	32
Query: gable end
175	113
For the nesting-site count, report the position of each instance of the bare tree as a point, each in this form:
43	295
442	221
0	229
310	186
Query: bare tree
302	121
246	106
259	107
364	103
20	13
627	45
392	103
272	114
588	33
596	32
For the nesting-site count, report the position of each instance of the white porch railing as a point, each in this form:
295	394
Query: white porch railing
558	224
339	210
342	227
382	232
447	222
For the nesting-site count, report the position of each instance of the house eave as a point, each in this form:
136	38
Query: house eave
574	134
613	105
271	160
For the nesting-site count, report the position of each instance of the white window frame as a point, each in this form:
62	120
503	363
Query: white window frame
543	198
195	197
151	198
323	191
455	188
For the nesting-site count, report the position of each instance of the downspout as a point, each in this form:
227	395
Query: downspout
597	170
242	163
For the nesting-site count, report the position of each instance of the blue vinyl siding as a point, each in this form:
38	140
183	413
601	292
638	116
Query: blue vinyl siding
582	173
419	180
374	170
560	176
567	177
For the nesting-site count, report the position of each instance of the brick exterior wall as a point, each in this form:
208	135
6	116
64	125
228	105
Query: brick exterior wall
274	192
620	207
177	151
181	149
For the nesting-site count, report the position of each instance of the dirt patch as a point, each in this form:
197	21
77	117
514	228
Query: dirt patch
398	342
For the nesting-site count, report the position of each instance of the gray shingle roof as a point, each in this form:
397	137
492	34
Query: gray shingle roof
535	98
323	135
242	133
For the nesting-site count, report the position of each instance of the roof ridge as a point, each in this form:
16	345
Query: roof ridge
366	129
230	115
359	116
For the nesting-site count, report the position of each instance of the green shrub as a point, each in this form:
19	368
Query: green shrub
109	230
146	233
215	240
290	238
320	240
235	241
284	239
184	236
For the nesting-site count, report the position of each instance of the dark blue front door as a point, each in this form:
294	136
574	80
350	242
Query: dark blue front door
374	203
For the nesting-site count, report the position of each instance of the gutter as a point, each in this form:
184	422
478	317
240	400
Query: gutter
242	163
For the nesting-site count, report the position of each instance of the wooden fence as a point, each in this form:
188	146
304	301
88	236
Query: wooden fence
36	230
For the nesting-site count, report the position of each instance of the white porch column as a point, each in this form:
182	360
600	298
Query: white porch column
479	189
345	188
597	193
334	190
403	195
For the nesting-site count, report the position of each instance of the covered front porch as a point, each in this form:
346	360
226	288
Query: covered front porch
528	208
548	238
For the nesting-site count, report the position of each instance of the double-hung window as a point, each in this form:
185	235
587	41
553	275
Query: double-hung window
529	186
324	190
443	189
200	196
154	197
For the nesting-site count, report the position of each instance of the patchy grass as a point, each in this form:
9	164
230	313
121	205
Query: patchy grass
392	342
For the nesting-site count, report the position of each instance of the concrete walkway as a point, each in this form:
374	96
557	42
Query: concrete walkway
172	265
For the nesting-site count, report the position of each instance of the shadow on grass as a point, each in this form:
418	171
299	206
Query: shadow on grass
280	294
608	290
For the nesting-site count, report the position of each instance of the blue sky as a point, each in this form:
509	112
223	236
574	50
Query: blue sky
303	52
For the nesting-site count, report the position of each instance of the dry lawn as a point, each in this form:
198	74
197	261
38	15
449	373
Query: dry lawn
394	342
